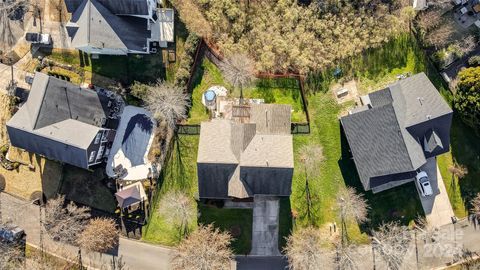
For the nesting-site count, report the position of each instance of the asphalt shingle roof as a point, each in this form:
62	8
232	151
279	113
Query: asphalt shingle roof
264	142
378	138
98	27
60	111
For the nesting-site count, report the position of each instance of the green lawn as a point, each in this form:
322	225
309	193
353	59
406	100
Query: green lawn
207	75
379	68
465	150
337	171
143	68
179	173
236	221
280	91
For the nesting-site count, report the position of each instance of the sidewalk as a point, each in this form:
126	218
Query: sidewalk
135	254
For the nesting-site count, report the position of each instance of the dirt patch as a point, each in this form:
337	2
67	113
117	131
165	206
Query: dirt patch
348	89
88	188
57	11
5	115
24	181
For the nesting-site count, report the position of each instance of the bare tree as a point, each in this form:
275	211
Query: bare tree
475	209
65	223
458	170
351	205
304	250
204	249
467	45
11	255
347	256
311	156
441	36
427	231
193	18
7	10
167	102
178	209
392	241
429	19
100	235
239	70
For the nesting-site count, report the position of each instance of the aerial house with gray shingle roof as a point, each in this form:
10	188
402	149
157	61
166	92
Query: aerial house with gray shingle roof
395	130
64	122
251	155
119	27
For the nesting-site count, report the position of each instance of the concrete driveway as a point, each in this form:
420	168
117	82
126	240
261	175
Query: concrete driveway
437	208
265	226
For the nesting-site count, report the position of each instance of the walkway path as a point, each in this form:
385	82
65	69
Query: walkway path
265	226
437	208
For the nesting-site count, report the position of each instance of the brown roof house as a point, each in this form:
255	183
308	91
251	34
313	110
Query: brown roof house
247	157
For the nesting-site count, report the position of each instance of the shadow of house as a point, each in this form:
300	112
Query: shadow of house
397	204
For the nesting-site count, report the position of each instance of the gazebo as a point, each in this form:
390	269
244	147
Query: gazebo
131	196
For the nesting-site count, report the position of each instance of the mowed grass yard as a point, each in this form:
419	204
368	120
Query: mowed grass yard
376	69
180	173
279	91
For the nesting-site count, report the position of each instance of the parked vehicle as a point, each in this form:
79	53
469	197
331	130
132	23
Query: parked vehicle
424	184
38	38
11	234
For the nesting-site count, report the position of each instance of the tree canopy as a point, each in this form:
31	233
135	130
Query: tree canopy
467	96
283	36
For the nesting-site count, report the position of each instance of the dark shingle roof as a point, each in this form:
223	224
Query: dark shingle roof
379	140
376	143
380	97
60	111
63	100
99	27
126	7
265	142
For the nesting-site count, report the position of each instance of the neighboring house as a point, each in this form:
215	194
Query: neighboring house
119	27
396	130
64	122
252	156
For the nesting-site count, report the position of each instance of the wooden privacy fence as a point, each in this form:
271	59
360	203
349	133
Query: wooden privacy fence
206	49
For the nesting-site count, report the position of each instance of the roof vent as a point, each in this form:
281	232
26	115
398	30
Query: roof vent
429	116
420	99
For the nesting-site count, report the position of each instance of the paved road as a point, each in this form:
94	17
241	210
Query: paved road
261	262
265	226
437	208
136	255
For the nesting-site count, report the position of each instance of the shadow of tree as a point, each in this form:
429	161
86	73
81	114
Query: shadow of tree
465	149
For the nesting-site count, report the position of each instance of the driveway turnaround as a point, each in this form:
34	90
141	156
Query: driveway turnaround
437	208
265	226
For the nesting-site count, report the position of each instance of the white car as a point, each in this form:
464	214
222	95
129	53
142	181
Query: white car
424	184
